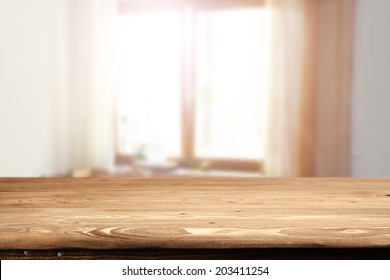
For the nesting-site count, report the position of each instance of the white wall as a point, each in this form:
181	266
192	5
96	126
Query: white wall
31	90
371	99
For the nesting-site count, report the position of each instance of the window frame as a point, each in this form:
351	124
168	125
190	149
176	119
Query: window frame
188	69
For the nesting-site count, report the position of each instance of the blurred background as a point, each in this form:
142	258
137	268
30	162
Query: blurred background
133	88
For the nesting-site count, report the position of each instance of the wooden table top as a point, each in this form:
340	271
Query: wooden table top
185	213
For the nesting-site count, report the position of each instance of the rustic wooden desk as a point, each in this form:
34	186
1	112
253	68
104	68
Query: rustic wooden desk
194	218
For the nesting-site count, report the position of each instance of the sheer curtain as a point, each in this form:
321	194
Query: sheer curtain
303	136
92	39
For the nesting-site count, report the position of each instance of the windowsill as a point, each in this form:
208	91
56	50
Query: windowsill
151	171
188	172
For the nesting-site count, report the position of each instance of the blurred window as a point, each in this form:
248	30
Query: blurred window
149	85
191	85
229	84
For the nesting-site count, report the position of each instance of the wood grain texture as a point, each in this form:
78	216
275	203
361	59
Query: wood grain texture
193	213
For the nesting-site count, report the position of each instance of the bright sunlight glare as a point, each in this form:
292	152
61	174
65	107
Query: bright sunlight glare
230	81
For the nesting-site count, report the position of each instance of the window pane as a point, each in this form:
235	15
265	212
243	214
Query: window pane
231	50
149	84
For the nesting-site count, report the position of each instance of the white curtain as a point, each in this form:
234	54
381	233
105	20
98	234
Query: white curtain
289	40
309	93
92	93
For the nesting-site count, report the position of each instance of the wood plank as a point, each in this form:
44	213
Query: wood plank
192	214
